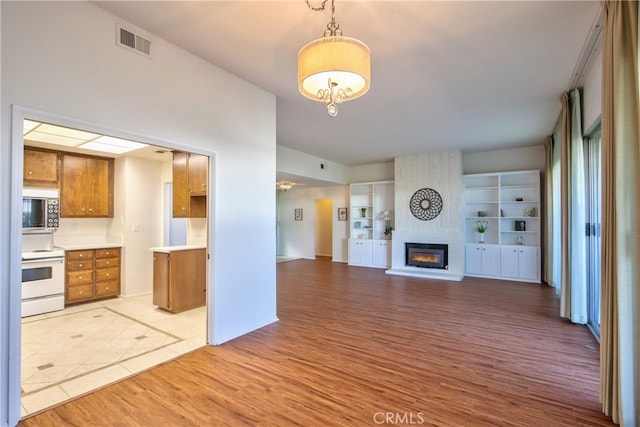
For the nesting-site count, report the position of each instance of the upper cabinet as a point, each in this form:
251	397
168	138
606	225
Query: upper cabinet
87	186
190	176
198	174
41	168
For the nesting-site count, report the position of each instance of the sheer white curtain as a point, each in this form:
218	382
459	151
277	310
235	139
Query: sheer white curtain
573	291
573	294
556	276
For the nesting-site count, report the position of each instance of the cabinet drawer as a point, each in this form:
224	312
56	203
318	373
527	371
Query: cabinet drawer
79	265
107	253
79	255
107	274
107	262
79	277
108	288
77	293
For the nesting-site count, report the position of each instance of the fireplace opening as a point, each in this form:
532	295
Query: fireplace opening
427	255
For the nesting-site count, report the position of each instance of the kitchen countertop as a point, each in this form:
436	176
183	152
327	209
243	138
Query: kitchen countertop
87	246
169	249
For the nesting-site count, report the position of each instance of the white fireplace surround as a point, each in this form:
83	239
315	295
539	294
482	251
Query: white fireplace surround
455	241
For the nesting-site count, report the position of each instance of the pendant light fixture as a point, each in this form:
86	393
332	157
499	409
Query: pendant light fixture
333	68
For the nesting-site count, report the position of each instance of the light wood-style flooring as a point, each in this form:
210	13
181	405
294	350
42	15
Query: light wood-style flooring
356	347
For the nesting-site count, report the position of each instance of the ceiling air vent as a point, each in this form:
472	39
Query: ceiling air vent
133	41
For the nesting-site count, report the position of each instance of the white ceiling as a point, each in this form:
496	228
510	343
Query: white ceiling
444	75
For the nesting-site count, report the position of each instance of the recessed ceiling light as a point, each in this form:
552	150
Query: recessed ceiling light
59	135
113	145
28	125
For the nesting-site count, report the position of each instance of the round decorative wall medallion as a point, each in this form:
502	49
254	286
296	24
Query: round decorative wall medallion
425	204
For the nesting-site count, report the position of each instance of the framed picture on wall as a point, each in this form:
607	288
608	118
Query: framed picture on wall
297	214
342	214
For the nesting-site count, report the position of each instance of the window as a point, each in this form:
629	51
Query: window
593	175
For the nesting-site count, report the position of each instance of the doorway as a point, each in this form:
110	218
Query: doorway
79	357
324	227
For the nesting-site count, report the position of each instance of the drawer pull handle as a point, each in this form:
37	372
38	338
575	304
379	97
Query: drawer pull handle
81	255
108	263
79	292
29	173
79	265
80	277
107	274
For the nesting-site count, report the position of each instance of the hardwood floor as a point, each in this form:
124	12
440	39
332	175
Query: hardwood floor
357	347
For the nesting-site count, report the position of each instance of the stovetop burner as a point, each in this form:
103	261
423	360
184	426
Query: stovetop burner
43	253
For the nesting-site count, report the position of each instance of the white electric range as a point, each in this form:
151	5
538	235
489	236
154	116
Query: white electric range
42	274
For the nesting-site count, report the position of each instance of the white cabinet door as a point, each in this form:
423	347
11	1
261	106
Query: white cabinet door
473	259
520	262
528	264
482	259
490	260
360	252
381	253
509	261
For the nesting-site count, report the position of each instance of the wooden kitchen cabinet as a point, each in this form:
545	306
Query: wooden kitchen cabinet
190	175
179	279
198	174
92	274
87	186
41	168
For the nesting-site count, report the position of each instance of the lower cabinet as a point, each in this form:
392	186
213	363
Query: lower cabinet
482	260
520	262
370	253
179	279
92	274
510	262
360	252
381	253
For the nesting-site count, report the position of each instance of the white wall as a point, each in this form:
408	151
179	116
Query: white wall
510	159
297	238
298	163
141	211
60	61
384	171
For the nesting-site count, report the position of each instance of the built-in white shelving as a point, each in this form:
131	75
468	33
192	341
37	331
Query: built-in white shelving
509	202
370	204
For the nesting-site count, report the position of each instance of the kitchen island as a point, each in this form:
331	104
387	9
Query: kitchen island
179	277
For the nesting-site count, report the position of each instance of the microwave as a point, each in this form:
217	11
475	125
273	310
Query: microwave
40	209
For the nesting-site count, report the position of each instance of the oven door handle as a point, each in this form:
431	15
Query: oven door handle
33	261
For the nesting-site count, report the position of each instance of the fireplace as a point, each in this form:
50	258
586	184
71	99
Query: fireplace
427	255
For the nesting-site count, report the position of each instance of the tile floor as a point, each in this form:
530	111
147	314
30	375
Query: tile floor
81	348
